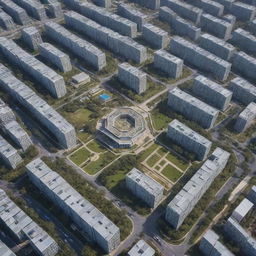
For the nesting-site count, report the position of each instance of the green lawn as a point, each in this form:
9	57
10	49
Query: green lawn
103	160
113	180
83	136
153	160
162	162
95	146
80	156
162	151
159	120
171	173
177	161
79	117
147	152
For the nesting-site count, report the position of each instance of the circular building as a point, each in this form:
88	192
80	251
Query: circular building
123	128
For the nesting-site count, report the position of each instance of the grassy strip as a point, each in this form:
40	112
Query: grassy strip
80	156
103	160
147	152
177	161
171	173
153	160
95	146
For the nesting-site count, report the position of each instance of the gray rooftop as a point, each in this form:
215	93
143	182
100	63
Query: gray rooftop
244	84
169	56
22	225
14	128
53	49
6	149
4	250
201	51
7	78
141	248
243	208
218	41
30	30
212	239
177	125
213	85
143	180
72	199
193	101
249	112
196	185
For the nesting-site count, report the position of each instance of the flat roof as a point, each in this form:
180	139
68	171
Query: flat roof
249	113
189	99
243	208
141	248
72	199
196	185
21	224
146	182
5	251
213	85
186	131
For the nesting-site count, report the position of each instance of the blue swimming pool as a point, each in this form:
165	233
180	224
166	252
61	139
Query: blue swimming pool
104	97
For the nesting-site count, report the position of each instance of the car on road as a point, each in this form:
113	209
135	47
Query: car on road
157	239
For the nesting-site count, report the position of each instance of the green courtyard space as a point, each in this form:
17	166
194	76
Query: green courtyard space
80	156
95	146
83	136
177	161
159	120
163	163
101	161
145	153
171	173
78	118
153	160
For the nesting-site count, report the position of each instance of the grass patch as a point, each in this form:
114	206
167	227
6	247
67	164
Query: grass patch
159	120
162	162
78	118
147	152
113	180
103	160
80	156
177	161
162	151
95	146
153	160
171	173
83	136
